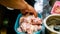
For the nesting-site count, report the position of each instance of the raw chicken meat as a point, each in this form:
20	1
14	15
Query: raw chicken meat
29	24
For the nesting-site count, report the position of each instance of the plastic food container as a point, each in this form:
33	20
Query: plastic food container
17	25
56	8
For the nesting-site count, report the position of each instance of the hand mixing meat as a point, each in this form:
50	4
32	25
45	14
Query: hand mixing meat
29	24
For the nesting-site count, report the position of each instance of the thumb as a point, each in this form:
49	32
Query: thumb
35	14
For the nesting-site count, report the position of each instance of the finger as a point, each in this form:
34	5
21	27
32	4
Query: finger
32	13
23	12
35	14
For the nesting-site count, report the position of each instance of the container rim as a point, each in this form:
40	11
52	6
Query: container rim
47	25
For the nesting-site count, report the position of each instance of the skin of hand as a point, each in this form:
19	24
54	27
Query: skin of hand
29	10
19	4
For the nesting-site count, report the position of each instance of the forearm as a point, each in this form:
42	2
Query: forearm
14	4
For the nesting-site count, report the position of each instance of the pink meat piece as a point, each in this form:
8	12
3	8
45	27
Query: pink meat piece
30	24
37	21
19	29
25	26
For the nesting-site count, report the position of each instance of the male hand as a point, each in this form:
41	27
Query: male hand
29	10
19	4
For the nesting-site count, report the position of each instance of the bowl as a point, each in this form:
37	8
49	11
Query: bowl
17	25
52	23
